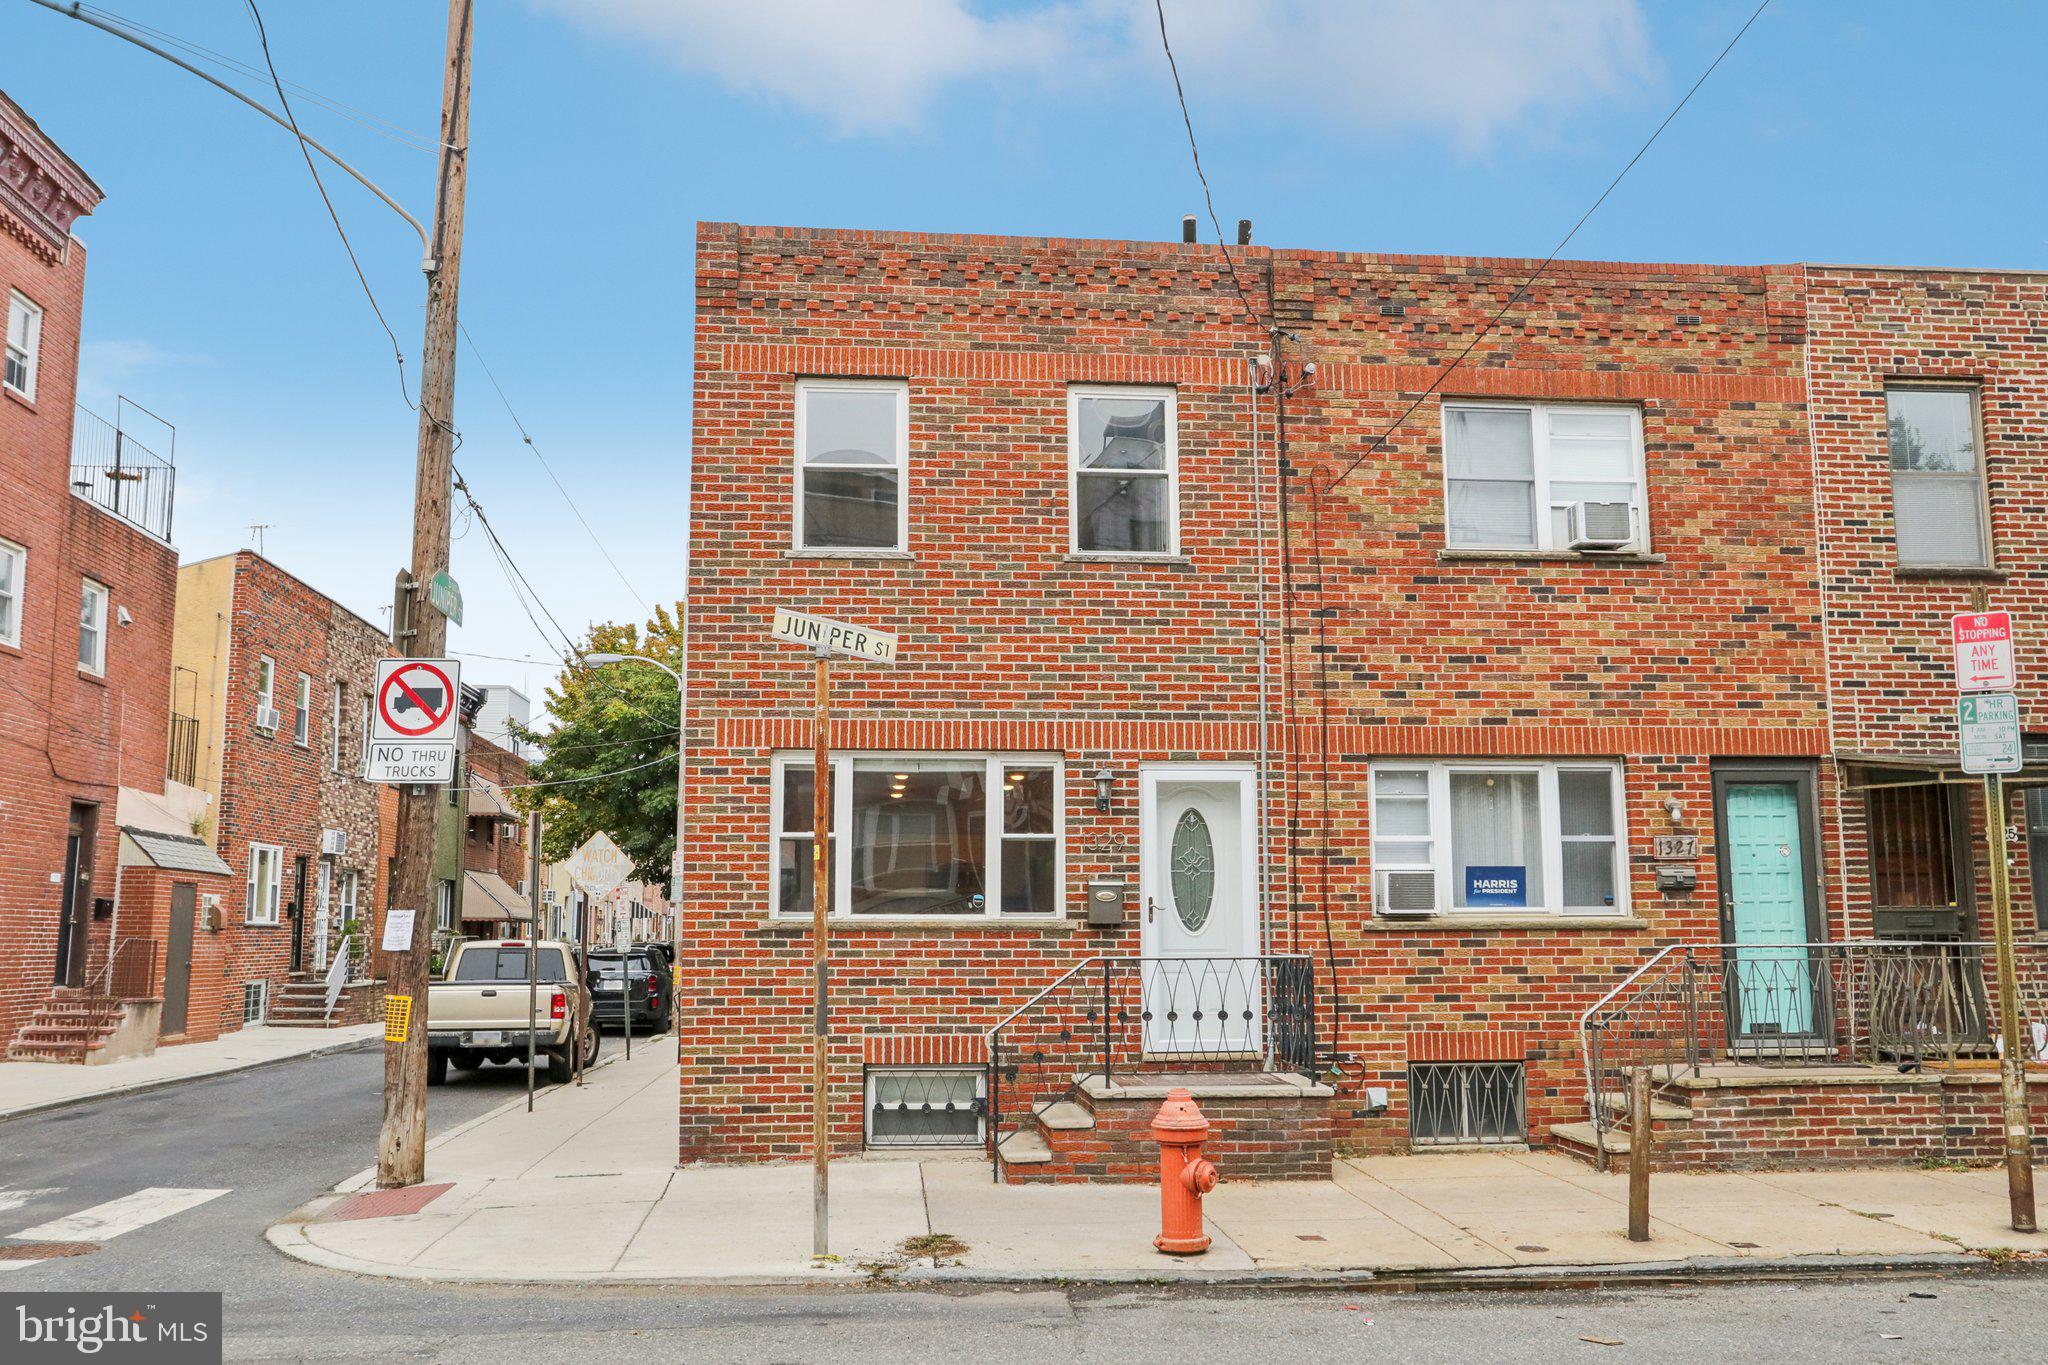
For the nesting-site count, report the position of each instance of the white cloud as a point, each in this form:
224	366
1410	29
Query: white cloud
106	366
1464	70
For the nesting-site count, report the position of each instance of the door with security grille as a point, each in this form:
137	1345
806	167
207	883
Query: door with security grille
1774	984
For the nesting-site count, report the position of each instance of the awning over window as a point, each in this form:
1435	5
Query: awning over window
486	803
486	897
1863	771
172	852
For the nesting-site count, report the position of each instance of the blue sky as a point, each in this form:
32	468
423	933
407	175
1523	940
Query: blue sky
218	295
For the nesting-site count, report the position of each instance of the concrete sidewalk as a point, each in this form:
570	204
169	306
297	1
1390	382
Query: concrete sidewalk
585	1190
30	1087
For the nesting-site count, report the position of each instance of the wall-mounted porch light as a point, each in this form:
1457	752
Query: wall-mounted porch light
1105	785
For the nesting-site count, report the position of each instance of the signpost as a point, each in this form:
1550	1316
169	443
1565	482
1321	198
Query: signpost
1988	722
601	867
412	725
825	638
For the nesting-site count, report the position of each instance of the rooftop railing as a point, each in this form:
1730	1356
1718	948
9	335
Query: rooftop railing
114	471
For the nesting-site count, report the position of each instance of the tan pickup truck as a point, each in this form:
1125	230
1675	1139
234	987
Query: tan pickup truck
477	1012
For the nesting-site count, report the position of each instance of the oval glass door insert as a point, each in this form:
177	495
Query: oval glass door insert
1194	869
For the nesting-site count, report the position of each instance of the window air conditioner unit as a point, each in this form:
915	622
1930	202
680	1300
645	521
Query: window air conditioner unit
1599	525
1409	894
266	718
334	842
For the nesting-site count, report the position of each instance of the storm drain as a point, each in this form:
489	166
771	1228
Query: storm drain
45	1251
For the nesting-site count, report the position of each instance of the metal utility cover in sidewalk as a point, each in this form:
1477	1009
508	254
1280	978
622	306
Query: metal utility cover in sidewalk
386	1203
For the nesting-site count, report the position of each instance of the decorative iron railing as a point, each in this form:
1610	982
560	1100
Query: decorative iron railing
1880	1000
1108	1016
113	470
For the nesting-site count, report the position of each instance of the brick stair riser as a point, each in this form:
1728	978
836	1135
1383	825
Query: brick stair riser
1286	1138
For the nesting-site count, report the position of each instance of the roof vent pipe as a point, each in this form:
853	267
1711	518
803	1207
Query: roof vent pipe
1187	228
1244	232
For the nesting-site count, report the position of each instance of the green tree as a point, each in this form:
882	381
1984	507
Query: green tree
606	720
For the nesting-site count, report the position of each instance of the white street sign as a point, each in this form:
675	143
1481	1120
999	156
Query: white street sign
834	637
1990	726
403	763
600	866
416	700
1983	645
398	930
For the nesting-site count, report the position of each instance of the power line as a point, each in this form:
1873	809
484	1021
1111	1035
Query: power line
1200	174
397	353
514	572
383	127
527	436
1555	251
566	781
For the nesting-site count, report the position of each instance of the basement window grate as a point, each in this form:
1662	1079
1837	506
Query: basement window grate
925	1107
1463	1104
255	1001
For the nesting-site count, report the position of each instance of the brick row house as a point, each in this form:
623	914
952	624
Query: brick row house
95	850
272	683
1276	709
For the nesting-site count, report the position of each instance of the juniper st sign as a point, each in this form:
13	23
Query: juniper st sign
827	636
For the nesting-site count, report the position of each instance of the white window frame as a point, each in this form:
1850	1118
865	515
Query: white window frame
259	991
19	555
363	740
876	1073
266	688
843	765
1077	392
1440	837
1539	438
94	595
302	712
335	711
1987	553
261	905
900	390
31	349
351	893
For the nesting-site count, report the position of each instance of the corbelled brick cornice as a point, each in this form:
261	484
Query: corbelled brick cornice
42	191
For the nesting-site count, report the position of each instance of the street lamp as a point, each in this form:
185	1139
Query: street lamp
675	874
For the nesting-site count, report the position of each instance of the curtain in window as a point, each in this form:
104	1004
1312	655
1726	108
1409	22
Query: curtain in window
1496	827
1492	463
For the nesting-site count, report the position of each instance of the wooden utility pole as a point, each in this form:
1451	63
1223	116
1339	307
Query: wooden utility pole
1641	1115
821	901
533	958
2012	1056
402	1141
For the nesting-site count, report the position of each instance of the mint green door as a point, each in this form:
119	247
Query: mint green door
1771	983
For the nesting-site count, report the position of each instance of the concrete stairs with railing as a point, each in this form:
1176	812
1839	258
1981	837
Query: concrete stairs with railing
1583	1141
302	1003
1265	1125
70	1027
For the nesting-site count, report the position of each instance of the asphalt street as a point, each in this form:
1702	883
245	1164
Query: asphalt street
273	1138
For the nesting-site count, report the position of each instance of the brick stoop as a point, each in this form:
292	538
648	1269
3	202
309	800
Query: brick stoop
1742	1117
302	1003
1263	1126
69	1027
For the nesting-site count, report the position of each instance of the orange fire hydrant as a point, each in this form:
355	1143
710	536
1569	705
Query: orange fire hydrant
1184	1177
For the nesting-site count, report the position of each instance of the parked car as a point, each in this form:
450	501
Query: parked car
477	1012
638	979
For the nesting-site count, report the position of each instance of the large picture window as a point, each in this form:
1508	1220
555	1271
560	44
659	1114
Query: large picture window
1124	462
923	836
1937	477
1499	838
1514	473
852	453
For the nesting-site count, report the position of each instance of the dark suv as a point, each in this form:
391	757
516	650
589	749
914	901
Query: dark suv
638	980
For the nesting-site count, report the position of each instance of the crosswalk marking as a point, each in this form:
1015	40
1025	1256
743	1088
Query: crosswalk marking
103	1222
12	1199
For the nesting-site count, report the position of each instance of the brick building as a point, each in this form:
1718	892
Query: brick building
484	891
1376	745
87	589
279	679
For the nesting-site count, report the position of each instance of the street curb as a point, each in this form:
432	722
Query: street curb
289	1238
165	1083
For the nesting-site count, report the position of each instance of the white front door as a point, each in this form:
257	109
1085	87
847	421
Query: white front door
321	918
1198	850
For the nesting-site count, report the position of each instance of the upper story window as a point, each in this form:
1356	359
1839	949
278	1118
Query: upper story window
1498	838
1528	476
852	457
13	571
24	344
266	883
334	728
302	712
961	835
266	692
92	627
1937	476
1123	462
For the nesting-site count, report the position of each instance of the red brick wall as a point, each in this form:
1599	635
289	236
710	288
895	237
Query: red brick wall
1892	1121
64	735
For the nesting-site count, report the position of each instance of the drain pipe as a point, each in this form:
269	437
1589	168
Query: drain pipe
1264	630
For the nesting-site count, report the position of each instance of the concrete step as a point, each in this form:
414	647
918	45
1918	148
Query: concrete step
1065	1116
1582	1136
1025	1147
1663	1111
